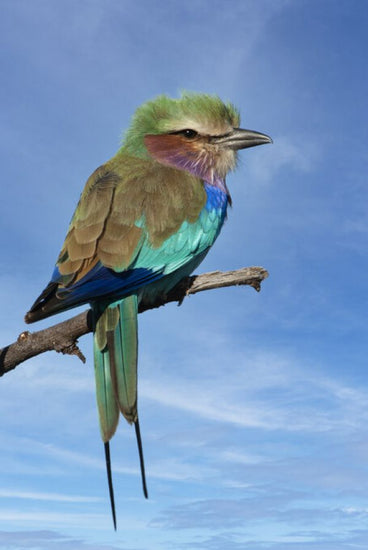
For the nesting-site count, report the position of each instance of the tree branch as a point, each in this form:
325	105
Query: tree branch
63	336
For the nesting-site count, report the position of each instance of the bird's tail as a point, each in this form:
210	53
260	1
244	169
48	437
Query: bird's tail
115	344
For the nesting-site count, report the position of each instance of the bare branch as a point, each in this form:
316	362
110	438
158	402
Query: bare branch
63	337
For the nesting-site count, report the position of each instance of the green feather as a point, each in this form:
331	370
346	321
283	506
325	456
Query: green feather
163	114
116	355
126	356
108	410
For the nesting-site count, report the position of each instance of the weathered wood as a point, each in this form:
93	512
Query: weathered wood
63	337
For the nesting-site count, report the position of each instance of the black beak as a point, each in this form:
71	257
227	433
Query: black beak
241	139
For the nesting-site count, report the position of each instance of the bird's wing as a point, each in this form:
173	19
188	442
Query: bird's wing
134	223
97	232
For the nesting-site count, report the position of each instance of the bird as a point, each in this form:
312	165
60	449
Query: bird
145	220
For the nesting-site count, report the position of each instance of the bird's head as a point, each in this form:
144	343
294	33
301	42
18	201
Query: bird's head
197	133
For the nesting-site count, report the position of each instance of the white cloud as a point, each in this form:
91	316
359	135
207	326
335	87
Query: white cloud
55	519
52	497
46	540
266	391
234	456
283	156
72	379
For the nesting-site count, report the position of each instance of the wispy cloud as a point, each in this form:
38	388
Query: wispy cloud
302	540
237	513
52	497
265	391
13	516
47	540
285	155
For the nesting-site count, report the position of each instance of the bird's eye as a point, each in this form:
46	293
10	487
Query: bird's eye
188	133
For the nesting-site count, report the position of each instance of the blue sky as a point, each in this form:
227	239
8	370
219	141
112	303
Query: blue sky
254	407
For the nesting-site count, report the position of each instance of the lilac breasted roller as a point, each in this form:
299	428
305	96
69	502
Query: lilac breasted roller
145	220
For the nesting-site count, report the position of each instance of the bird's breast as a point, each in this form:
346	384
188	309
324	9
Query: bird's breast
218	197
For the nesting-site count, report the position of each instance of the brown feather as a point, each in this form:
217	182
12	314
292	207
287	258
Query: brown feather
127	191
79	250
88	233
117	253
